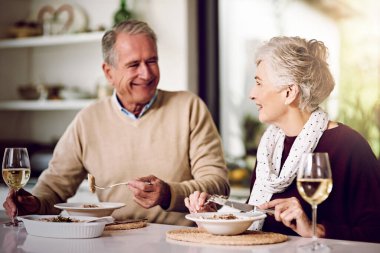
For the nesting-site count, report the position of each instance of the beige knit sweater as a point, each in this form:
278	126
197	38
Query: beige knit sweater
176	140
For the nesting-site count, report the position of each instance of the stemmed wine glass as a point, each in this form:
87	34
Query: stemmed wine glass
314	183
16	172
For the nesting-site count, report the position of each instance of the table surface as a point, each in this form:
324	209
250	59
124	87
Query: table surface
152	238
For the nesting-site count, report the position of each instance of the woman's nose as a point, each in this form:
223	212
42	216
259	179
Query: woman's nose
252	93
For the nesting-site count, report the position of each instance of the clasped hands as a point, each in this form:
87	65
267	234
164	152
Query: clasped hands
288	211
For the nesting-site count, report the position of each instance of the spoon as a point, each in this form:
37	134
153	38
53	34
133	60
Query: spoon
92	185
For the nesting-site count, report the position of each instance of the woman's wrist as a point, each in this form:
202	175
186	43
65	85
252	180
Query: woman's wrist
321	231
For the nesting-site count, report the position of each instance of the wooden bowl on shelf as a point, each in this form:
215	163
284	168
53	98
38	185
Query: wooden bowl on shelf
29	92
24	29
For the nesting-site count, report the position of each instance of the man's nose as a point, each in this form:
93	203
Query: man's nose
144	71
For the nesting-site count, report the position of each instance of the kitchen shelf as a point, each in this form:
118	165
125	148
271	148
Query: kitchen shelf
44	105
51	40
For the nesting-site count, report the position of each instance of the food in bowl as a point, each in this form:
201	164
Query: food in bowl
228	216
218	223
59	218
42	225
90	206
98	209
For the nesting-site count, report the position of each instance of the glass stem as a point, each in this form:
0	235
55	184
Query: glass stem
314	221
14	219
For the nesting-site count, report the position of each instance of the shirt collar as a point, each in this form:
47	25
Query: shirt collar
130	114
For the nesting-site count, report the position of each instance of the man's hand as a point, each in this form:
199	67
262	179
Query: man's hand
289	211
150	191
21	203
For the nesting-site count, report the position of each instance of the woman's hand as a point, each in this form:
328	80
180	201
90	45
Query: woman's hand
196	203
289	211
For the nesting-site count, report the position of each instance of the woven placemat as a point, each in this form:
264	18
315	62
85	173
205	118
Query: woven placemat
125	226
247	238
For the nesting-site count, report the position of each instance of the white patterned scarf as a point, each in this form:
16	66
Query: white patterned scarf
269	178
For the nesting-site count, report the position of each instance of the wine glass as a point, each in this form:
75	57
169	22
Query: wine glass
314	183
16	172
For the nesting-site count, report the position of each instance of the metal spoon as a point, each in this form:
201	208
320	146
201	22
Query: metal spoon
92	185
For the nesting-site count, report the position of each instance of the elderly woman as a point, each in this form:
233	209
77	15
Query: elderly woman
292	80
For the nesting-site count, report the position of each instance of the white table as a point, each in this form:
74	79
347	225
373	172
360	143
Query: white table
152	239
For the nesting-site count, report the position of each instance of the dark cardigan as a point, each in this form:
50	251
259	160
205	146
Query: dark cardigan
352	211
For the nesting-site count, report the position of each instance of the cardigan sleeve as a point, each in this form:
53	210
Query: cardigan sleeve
360	191
65	173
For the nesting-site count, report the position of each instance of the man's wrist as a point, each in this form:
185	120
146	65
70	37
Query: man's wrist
166	196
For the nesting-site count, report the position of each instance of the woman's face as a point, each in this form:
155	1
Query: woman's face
270	100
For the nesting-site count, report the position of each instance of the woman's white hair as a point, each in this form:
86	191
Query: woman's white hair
294	60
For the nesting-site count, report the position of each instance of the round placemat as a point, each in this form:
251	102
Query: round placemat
247	238
125	226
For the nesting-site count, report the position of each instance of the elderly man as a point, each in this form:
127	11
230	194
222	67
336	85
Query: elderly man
163	143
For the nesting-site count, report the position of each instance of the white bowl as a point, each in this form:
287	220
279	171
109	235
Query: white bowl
214	225
34	226
78	209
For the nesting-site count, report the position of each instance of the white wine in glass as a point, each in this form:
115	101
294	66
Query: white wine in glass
314	183
16	171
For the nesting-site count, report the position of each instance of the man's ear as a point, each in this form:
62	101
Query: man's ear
108	72
291	92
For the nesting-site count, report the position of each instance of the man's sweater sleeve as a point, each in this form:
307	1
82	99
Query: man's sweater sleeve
208	167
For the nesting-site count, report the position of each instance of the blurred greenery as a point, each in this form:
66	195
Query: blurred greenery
252	132
364	118
359	83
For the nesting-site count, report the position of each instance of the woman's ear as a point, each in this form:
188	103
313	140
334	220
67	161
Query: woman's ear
292	92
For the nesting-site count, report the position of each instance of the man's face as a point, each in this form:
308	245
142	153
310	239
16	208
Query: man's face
136	74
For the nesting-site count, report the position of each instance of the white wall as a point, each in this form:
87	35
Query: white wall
168	18
80	64
244	24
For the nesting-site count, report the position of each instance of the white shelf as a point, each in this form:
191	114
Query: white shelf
51	40
44	105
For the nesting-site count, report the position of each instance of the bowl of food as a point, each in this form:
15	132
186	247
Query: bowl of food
219	223
99	209
56	226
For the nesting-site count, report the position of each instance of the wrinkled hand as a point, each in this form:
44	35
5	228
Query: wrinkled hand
150	191
21	204
196	203
289	211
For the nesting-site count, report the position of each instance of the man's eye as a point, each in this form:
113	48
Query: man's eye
152	61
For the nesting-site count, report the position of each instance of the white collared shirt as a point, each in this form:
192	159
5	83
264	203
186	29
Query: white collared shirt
130	114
